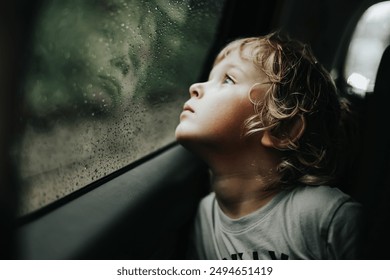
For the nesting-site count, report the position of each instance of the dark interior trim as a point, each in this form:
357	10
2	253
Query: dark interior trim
155	201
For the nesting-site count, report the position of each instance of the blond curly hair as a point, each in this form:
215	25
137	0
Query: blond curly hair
299	88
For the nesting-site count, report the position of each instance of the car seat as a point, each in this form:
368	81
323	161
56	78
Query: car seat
373	176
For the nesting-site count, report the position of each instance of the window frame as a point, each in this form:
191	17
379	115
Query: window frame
105	222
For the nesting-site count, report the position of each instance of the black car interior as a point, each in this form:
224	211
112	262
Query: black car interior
152	221
372	177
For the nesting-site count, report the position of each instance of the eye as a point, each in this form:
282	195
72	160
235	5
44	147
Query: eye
228	80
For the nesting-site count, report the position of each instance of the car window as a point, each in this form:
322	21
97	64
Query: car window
105	83
370	38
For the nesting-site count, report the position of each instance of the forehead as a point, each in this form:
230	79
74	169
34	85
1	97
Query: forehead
241	59
234	58
253	49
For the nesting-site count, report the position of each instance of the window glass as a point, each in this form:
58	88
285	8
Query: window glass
105	84
371	36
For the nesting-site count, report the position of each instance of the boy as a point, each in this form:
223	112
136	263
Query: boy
267	124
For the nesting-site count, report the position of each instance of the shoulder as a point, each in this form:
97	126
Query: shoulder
206	205
327	218
208	198
207	201
320	197
321	204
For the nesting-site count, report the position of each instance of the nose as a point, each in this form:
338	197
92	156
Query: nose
196	90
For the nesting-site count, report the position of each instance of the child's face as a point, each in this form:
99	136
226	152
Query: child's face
216	112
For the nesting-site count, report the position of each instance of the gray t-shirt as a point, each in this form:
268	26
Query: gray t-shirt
303	223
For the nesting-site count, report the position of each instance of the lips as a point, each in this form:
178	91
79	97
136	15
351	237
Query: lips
188	108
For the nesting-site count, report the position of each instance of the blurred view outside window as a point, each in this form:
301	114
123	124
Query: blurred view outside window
105	86
371	37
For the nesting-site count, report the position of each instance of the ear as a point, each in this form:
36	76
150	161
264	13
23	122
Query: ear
282	142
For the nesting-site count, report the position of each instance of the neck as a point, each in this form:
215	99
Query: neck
244	182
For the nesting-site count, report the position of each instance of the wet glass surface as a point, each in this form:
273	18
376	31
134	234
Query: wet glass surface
105	84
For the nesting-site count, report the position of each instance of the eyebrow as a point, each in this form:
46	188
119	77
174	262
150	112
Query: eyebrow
236	67
231	66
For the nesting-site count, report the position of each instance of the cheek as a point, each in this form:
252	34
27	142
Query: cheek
215	121
232	118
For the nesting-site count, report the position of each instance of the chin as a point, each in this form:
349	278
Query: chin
178	133
184	138
182	132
